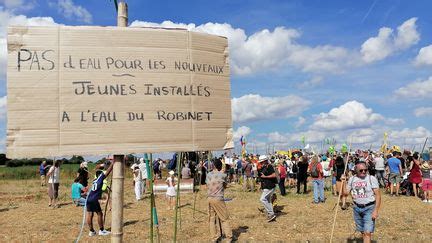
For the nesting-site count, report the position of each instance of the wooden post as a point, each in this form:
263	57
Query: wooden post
117	199
118	169
179	160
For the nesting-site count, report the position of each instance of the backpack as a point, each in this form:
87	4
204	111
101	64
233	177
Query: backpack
294	168
315	171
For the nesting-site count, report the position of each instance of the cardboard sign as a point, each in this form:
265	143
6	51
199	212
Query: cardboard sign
110	90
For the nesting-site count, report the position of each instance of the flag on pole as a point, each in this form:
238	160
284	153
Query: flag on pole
303	140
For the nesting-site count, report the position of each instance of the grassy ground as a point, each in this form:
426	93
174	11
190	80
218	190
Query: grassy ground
25	216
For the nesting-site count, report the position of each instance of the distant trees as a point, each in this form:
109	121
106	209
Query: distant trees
76	159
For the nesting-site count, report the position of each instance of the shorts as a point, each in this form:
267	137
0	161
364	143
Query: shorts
395	178
363	219
427	185
333	180
292	175
93	207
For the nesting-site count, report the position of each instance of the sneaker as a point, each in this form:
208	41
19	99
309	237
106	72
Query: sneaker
104	232
271	218
92	233
425	200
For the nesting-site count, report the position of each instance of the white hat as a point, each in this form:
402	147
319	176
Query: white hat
141	160
171	172
262	158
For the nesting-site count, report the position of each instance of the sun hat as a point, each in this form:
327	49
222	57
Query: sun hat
263	158
425	166
171	172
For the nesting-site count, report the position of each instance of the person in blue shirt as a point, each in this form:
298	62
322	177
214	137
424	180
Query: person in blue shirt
92	203
394	166
42	172
77	193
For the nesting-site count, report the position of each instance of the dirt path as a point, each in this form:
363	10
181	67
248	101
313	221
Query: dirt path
25	216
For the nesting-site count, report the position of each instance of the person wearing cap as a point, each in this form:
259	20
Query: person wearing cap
366	196
171	190
267	175
216	183
137	179
82	174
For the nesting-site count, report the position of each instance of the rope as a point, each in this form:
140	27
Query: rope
83	219
84	214
340	196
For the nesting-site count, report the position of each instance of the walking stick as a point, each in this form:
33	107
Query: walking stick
195	189
107	202
424	145
180	155
340	194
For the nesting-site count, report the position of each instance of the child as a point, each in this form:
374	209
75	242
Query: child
171	191
93	205
426	181
78	196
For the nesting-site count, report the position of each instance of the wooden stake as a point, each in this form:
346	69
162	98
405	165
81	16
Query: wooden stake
118	169
179	158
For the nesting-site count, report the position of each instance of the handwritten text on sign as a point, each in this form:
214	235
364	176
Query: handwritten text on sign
94	90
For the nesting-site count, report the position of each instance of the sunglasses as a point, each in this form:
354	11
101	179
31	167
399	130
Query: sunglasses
362	170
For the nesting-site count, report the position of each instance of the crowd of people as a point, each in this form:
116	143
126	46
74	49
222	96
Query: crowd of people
360	174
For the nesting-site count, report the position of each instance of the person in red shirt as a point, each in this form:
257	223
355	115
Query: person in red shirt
316	171
282	175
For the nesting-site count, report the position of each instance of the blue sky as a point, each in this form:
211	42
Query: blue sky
349	70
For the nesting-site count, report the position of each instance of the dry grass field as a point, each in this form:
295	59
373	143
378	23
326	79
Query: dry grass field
25	216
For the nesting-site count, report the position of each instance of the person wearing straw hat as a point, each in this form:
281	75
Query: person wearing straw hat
366	196
267	175
426	181
171	190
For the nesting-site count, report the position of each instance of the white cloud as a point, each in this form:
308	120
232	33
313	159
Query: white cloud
362	136
253	107
3	107
268	50
350	115
75	12
424	56
410	136
416	90
21	5
394	121
276	137
385	44
423	111
301	120
241	131
407	34
311	83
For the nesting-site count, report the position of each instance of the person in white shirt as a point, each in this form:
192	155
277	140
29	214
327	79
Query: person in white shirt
380	169
137	182
53	183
